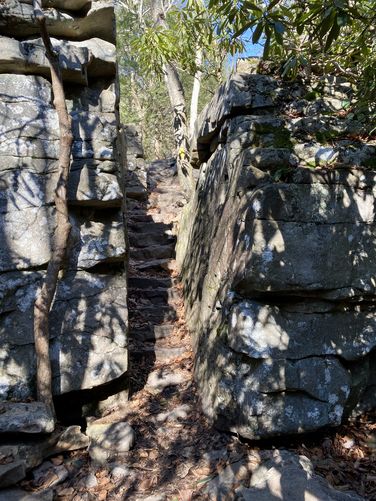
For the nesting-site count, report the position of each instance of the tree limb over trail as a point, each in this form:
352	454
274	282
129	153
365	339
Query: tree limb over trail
46	294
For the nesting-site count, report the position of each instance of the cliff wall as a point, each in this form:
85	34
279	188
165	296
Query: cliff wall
277	252
89	316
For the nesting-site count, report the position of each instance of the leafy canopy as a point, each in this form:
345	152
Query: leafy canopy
336	36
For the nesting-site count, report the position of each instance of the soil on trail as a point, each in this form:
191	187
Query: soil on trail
177	454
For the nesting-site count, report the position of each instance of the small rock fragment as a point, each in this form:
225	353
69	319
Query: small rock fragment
119	472
109	441
72	439
11	473
90	481
155	497
180	412
161	378
40	472
68	492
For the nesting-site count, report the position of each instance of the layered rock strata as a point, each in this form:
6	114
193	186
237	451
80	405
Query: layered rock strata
277	251
89	316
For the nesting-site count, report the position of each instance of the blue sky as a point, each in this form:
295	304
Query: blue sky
251	50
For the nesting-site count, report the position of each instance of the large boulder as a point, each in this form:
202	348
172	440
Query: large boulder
277	262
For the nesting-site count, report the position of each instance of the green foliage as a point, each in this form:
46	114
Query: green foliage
308	36
144	46
182	31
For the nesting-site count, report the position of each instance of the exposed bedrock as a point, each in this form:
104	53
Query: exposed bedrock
78	61
89	319
277	250
17	20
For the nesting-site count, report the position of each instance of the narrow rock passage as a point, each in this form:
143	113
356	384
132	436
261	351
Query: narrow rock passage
176	455
157	334
175	447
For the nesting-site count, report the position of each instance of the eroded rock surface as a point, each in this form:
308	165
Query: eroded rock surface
17	20
277	250
89	316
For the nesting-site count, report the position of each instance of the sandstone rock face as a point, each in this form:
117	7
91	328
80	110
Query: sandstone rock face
89	318
77	60
277	250
17	20
26	418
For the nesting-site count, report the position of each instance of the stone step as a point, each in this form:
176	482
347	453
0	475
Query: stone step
159	354
172	188
33	417
153	314
153	252
155	217
141	240
151	333
136	206
156	264
148	227
136	193
145	283
156	296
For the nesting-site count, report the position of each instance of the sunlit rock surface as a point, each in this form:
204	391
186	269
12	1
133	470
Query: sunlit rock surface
89	319
17	20
278	251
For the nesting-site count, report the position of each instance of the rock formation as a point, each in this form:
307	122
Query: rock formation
277	251
89	315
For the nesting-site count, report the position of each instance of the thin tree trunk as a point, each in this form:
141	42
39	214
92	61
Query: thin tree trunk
195	93
177	100
46	294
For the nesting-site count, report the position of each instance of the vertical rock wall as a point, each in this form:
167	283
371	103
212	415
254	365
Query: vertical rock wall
278	253
89	316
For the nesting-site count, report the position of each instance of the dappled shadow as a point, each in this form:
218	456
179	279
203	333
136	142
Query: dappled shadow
151	304
279	284
89	315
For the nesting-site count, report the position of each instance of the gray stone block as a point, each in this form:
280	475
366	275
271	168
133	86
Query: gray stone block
33	417
30	129
11	473
77	60
17	20
16	494
62	4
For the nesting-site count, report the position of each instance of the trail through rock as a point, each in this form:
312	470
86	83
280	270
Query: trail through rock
160	446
